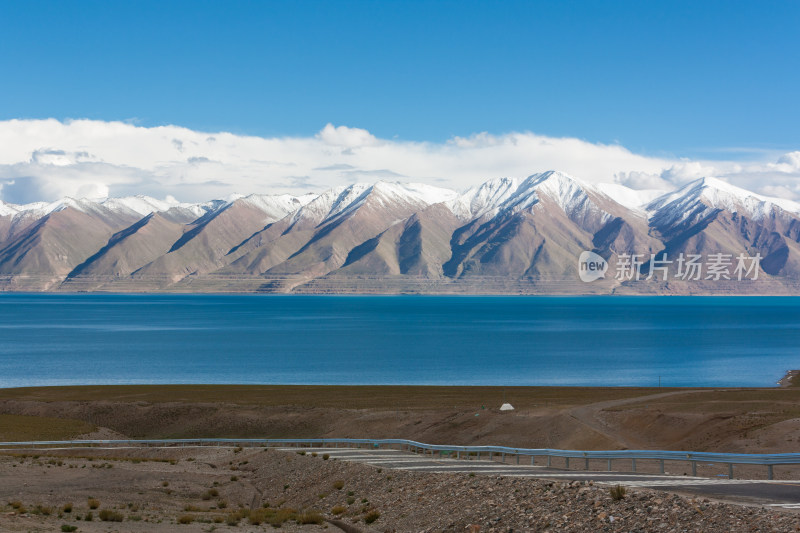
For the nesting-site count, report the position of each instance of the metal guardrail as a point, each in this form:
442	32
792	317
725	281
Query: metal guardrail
768	460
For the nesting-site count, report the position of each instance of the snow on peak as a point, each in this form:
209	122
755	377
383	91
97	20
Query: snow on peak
82	205
131	206
414	193
328	204
714	193
276	206
715	190
555	178
634	199
340	201
576	197
387	194
35	209
567	192
141	205
484	199
7	209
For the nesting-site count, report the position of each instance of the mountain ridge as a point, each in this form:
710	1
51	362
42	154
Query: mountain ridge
503	236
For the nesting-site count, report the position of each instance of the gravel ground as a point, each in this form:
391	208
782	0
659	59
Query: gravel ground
413	501
152	494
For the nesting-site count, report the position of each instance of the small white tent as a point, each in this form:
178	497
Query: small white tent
506	407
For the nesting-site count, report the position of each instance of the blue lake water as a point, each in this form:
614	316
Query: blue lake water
54	339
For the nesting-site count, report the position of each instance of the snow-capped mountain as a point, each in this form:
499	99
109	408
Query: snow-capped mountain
144	205
635	200
130	205
505	235
7	209
278	206
707	194
485	199
343	200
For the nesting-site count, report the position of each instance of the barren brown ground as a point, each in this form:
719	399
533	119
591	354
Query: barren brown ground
726	420
730	420
247	490
148	490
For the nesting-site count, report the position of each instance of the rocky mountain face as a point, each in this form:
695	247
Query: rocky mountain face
505	237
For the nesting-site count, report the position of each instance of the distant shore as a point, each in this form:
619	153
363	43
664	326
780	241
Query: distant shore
604	418
791	379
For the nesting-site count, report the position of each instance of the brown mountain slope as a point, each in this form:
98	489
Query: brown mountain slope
44	253
505	236
336	237
418	246
204	245
125	252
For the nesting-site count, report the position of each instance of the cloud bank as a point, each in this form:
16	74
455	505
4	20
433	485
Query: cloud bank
43	160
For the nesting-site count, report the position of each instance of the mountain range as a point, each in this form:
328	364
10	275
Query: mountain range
506	236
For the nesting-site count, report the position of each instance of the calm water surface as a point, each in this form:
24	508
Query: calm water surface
48	339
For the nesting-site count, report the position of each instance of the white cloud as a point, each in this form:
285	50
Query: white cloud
347	137
48	159
789	162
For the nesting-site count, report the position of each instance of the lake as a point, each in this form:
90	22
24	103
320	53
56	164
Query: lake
60	339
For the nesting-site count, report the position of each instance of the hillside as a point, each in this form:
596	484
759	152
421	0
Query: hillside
505	236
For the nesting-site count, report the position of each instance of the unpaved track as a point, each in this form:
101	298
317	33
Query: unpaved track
588	415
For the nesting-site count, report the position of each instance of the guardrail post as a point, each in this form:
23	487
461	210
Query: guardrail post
662	466
633	464
517	458
609	465
532	460
769	471
694	468
730	470
587	464
567	461
503	457
549	460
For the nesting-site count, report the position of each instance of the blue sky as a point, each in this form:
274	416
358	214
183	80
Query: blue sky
662	78
200	99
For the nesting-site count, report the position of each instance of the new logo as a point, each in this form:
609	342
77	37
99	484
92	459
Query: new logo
591	266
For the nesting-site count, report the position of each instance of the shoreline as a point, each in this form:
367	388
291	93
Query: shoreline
790	379
310	387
